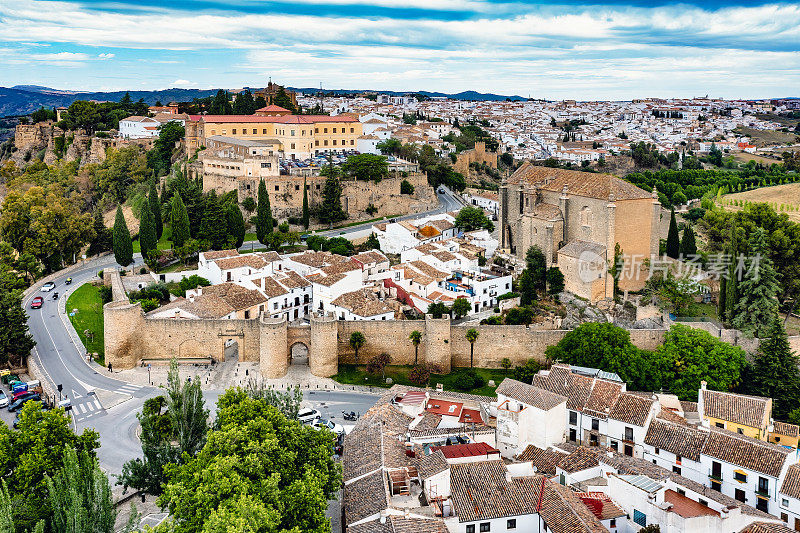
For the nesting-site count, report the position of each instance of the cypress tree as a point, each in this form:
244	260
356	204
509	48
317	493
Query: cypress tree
236	227
306	212
688	245
148	241
155	209
214	225
123	247
263	214
331	209
758	290
721	301
179	221
673	241
732	283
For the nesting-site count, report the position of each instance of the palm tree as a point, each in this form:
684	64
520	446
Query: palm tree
357	340
472	336
416	338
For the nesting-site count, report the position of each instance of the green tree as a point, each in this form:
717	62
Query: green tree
263	214
471	336
179	221
689	356
260	102
673	249
473	218
519	316
84	115
214	225
437	309
221	105
609	348
148	240
155	209
527	288
390	146
258	471
536	263
236	227
357	340
330	210
555	280
160	157
123	247
80	496
32	452
306	219
102	235
461	307
688	246
283	100
406	187
365	167
415	337
15	341
372	242
758	289
774	372
244	103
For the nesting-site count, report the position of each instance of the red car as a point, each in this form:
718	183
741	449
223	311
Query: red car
37	302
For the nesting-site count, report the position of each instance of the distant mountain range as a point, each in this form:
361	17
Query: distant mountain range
24	99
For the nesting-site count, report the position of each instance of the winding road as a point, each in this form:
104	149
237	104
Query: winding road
60	355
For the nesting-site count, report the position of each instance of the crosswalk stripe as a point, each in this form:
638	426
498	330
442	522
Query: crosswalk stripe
97	404
79	408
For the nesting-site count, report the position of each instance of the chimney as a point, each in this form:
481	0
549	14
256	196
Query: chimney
384	514
703	385
406	513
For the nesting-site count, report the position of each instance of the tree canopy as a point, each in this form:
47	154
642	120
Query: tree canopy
473	218
366	167
257	472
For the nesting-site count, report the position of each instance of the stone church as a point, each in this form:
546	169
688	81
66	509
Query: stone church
577	219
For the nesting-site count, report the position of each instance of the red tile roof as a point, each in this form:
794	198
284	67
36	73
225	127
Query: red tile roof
687	507
443	407
473	449
469	416
286	119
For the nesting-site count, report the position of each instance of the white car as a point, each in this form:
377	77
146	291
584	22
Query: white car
49	286
321	423
3	399
308	415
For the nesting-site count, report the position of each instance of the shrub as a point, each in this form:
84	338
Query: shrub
421	374
406	187
105	293
468	380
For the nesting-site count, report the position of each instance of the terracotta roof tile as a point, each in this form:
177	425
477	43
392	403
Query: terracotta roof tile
752	411
587	184
791	483
530	395
746	452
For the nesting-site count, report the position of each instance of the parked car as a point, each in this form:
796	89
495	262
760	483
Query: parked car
30	390
308	415
9	377
49	286
37	302
3	399
322	423
16	406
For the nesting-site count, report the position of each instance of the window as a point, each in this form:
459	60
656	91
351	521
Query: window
292	146
292	133
572	435
573	418
716	470
247	314
701	501
264	131
785	518
784	502
656	451
485	526
334	130
352	130
676	470
277	188
716	485
234	131
740	431
595	424
762	504
681	492
763	486
777	439
471	528
593	440
325	130
615	445
720	424
741	477
677	459
629	450
511	523
628	433
640	518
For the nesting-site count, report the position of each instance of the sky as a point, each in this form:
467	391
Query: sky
614	50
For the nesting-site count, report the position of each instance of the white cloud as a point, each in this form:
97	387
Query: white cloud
183	83
105	55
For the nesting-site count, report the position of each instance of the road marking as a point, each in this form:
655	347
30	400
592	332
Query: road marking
97	404
58	352
79	408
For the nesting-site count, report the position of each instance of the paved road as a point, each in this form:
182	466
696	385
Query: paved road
61	356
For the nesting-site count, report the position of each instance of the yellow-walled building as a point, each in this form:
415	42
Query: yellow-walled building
746	415
299	136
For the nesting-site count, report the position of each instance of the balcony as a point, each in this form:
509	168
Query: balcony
716	476
762	492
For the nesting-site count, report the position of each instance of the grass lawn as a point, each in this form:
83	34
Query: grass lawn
700	310
86	299
164	242
352	375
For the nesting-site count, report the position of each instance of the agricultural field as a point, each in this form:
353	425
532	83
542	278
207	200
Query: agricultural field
785	197
762	138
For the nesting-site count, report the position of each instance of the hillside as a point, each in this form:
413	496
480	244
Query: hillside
24	99
783	195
